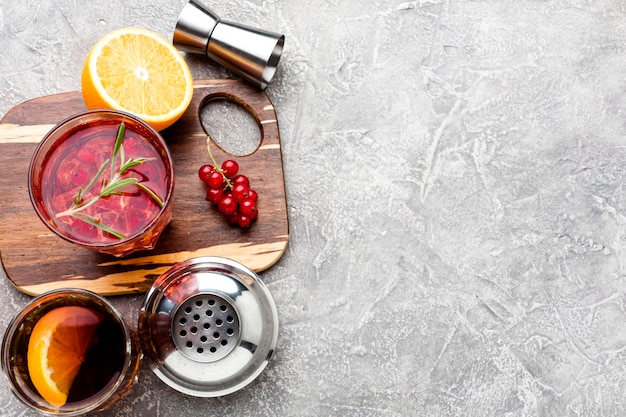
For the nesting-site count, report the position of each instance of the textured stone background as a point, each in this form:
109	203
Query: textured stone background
455	174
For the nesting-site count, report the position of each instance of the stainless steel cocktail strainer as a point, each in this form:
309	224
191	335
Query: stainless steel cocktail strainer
208	326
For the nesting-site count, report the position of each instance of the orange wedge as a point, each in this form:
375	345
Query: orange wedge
57	348
138	71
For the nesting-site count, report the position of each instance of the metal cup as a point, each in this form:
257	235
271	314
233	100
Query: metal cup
251	53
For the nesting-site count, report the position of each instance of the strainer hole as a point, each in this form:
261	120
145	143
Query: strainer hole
213	349
224	342
183	333
230	332
196	317
183	321
216	335
199	303
223	307
211	302
200	350
230	319
218	322
203	339
188	310
206	325
189	344
194	330
209	313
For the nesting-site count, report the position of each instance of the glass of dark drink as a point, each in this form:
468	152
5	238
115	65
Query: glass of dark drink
103	180
69	352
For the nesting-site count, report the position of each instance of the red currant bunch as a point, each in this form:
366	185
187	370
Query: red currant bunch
230	192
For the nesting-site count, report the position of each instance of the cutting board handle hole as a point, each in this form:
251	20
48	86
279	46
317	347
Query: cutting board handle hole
231	126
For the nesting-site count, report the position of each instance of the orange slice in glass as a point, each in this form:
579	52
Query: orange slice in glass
57	348
138	71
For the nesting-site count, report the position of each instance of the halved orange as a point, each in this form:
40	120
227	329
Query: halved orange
57	348
138	71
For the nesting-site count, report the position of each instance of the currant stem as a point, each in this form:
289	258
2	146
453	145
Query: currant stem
229	183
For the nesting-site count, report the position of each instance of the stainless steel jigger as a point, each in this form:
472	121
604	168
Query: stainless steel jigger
250	53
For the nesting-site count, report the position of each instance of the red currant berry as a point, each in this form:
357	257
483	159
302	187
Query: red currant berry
205	172
247	207
244	221
252	195
79	177
240	192
214	195
87	155
227	205
230	168
254	215
240	179
216	180
233	218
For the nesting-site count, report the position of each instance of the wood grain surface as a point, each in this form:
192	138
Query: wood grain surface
36	260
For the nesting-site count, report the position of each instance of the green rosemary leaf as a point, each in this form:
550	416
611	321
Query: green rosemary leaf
121	150
95	177
133	162
116	147
113	187
120	137
79	197
151	193
95	222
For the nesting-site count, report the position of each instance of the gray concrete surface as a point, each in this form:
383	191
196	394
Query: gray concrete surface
455	175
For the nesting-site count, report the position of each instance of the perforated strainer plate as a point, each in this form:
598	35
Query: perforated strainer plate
206	327
209	326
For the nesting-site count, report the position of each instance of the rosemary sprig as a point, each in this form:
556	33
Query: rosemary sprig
110	186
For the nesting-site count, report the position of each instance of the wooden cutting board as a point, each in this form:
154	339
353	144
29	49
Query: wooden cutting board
36	261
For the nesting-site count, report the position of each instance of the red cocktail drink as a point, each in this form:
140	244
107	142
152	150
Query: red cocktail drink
103	180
